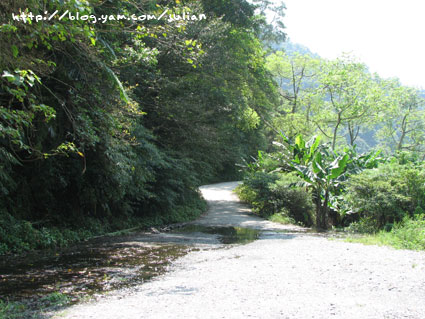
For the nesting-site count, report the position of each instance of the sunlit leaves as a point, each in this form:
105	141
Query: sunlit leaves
125	118
402	125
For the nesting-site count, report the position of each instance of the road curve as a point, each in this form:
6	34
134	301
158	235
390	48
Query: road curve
289	274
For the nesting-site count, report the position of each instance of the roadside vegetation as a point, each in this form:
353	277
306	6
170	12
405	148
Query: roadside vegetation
407	234
112	126
109	126
348	153
382	205
22	310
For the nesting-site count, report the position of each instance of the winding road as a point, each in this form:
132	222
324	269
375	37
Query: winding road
287	272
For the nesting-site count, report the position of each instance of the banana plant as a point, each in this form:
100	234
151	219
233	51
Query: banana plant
321	168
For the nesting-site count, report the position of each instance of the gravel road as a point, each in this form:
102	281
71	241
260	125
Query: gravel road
286	273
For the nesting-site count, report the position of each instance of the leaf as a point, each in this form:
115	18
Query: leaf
299	142
284	137
303	172
315	144
278	144
15	51
123	94
8	75
339	169
317	164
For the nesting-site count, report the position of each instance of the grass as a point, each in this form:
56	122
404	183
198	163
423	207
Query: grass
282	219
12	310
19	236
409	234
55	299
20	310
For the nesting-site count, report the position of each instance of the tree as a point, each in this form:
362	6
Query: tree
403	123
350	98
336	98
321	169
296	77
124	119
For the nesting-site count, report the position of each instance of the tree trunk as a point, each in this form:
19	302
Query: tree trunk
403	133
322	211
353	133
336	130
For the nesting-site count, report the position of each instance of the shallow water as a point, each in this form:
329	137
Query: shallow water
85	270
103	265
226	235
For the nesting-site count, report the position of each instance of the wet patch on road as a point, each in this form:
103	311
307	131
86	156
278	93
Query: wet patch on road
91	269
84	271
226	235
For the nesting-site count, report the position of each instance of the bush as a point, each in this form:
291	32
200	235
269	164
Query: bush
282	218
410	233
407	234
18	235
363	226
277	195
255	191
384	196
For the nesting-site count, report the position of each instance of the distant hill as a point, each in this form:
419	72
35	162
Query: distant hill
291	48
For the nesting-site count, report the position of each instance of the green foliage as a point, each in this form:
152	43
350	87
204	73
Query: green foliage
264	162
12	310
19	236
321	169
410	233
256	191
20	310
55	299
342	101
407	234
364	225
361	161
118	123
282	218
278	197
385	195
402	125
291	200
295	76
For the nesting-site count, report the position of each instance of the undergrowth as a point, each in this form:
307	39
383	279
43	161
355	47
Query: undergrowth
408	234
282	219
21	310
18	236
277	197
12	310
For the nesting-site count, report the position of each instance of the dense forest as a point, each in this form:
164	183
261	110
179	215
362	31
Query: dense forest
112	120
115	124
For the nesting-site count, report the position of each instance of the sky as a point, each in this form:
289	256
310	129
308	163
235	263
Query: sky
387	35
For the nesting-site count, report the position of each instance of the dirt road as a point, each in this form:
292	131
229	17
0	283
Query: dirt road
285	273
